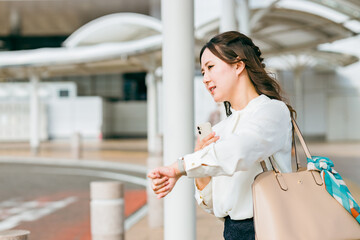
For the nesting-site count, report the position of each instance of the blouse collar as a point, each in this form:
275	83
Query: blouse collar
253	102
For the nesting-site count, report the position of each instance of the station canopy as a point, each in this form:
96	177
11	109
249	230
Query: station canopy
128	42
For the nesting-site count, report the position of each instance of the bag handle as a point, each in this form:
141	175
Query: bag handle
295	130
301	138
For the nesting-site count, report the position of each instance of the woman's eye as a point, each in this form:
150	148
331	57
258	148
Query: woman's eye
210	66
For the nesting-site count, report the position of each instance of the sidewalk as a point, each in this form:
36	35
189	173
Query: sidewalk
134	151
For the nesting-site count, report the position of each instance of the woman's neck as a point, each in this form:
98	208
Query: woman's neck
244	94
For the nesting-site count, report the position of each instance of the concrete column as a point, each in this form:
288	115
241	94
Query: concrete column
155	8
244	17
178	88
15	21
228	16
152	111
34	115
155	213
107	211
14	234
76	145
299	96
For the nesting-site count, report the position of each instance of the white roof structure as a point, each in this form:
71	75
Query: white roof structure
114	43
128	42
123	27
319	60
280	28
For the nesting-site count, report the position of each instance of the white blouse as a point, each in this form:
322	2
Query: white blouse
261	129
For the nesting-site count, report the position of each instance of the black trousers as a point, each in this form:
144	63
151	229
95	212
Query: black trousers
239	229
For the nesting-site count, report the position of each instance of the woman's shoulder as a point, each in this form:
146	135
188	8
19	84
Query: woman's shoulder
271	106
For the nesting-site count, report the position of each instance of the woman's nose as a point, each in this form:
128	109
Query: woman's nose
206	78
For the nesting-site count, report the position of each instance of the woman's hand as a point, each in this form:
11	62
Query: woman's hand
200	144
164	179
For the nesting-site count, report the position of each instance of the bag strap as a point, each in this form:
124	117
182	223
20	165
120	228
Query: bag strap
295	130
301	138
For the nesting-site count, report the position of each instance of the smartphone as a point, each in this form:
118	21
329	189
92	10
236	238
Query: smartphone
204	129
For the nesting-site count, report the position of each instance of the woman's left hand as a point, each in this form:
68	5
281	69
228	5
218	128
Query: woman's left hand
163	180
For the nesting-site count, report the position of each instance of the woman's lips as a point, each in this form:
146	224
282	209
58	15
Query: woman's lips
212	90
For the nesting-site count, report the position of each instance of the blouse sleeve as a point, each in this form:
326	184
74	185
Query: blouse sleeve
204	197
263	134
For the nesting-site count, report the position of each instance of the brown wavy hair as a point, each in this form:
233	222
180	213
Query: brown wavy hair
233	47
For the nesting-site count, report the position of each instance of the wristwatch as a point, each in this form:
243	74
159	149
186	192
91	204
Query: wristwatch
181	166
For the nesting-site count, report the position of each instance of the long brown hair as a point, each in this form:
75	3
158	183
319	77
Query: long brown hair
233	47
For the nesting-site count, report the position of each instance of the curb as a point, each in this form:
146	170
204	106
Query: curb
75	163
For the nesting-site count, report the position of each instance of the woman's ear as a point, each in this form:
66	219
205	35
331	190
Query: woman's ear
239	67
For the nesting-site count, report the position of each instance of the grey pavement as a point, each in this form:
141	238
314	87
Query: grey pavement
346	156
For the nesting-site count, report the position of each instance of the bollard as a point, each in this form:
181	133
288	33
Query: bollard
107	211
14	235
76	146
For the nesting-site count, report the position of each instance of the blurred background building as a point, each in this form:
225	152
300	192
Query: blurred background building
311	46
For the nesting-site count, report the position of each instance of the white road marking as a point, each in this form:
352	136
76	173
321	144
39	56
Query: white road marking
28	211
10	203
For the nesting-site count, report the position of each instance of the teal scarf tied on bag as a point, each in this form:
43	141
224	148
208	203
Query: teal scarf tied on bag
334	184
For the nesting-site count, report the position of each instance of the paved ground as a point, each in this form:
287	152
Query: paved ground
36	197
345	155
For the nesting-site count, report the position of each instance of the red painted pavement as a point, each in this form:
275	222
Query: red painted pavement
73	222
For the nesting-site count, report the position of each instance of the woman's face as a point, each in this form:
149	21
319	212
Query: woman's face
219	77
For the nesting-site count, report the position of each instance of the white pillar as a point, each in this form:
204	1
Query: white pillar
228	16
152	111
299	95
76	145
155	8
34	114
178	89
155	213
244	17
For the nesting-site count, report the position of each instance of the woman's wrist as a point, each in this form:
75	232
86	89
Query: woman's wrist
176	169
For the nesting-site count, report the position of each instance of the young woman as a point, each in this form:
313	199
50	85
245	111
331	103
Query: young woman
258	125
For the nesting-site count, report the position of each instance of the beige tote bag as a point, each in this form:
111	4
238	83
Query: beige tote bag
291	206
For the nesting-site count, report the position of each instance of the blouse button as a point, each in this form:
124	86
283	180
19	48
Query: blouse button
193	164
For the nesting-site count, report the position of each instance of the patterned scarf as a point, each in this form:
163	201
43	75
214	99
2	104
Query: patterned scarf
334	184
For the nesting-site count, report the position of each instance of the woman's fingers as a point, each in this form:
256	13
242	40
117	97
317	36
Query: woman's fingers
208	137
159	181
156	187
163	180
200	144
161	195
165	188
154	174
214	139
